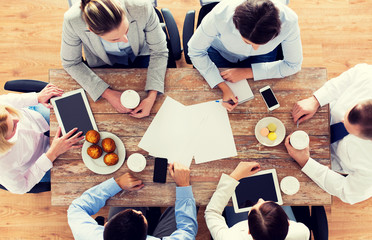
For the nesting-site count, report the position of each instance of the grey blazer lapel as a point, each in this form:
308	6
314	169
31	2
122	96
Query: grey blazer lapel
96	45
132	33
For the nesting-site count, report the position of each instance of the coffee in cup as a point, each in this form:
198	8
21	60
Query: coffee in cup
136	162
130	99
299	140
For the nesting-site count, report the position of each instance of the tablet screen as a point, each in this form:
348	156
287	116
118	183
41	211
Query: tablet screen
72	112
263	184
253	188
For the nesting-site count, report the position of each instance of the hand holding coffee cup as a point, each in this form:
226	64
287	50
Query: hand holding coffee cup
299	140
300	156
130	99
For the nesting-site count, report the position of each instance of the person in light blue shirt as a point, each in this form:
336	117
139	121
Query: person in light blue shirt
132	224
244	35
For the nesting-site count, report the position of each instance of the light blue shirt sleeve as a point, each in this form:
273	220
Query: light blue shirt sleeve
187	225
82	225
198	50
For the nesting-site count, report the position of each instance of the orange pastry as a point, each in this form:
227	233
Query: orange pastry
92	136
94	151
111	159
108	145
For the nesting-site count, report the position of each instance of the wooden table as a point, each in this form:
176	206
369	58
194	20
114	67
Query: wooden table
70	177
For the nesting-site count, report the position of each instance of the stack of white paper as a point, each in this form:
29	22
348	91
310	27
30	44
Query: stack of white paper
180	133
242	90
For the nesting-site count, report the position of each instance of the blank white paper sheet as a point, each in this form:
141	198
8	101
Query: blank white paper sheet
180	132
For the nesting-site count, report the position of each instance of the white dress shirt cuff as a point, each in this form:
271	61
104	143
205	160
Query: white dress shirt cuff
259	71
44	163
311	168
322	96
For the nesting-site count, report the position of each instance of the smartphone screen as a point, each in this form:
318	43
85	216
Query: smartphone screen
269	98
160	170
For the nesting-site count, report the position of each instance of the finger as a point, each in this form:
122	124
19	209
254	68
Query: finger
286	143
304	118
137	187
58	133
135	183
171	169
76	146
138	115
75	137
69	134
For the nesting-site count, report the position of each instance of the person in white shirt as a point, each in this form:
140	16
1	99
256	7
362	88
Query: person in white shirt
266	220
243	35
25	153
350	99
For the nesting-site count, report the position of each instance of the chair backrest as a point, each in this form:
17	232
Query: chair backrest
72	2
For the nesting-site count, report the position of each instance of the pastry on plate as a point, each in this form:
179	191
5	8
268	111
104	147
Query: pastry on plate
94	151
108	145
111	159
92	136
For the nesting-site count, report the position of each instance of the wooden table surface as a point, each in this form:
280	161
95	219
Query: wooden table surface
70	178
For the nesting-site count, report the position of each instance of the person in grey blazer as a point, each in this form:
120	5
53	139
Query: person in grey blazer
119	33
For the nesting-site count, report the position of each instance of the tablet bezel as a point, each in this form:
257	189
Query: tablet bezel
276	185
86	103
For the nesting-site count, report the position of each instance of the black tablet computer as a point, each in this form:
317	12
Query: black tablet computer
263	184
72	110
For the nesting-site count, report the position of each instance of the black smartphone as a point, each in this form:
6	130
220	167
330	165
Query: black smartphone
160	170
269	97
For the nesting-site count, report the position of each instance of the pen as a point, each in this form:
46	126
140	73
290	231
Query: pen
229	102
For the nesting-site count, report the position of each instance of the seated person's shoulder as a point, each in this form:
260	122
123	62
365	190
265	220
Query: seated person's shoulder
137	4
297	231
73	13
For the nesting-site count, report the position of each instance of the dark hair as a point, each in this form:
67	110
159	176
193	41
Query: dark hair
126	225
102	16
361	115
270	222
257	21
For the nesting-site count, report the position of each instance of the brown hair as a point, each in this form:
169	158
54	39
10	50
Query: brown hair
361	115
126	225
270	222
257	21
4	110
102	16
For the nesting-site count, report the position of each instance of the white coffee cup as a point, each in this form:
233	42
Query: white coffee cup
136	162
299	140
290	185
130	99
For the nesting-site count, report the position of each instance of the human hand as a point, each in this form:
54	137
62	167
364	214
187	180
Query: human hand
305	109
128	182
47	93
180	174
144	108
245	169
228	95
300	156
236	74
62	144
113	97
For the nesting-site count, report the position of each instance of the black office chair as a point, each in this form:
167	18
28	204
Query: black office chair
189	24
316	221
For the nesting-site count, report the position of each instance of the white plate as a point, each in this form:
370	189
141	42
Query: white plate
280	131
97	165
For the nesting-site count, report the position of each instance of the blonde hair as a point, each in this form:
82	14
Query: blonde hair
4	110
102	16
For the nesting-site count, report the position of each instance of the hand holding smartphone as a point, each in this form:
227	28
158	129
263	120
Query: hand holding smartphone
269	98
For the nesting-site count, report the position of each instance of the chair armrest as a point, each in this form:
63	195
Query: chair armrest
173	33
24	85
187	32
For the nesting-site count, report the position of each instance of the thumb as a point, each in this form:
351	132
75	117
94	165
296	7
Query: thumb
58	133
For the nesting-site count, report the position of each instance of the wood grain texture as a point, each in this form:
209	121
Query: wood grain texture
71	178
335	34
